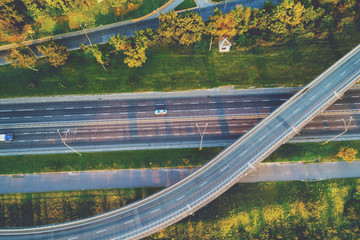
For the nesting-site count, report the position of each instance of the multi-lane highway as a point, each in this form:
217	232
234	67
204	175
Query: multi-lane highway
192	193
128	123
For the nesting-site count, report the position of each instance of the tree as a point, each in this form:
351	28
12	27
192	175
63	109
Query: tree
98	54
21	57
220	25
11	20
347	154
120	44
184	29
56	53
123	3
136	57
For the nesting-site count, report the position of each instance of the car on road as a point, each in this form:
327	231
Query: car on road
6	137
160	112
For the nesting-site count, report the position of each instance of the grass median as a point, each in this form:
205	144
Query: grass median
176	68
305	152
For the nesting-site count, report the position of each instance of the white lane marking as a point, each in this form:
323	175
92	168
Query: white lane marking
246	100
267	107
36	140
212	102
247	107
194	110
223	169
128	221
177	103
106	106
50	108
5	110
73	238
107	137
87	114
327	85
141	112
212	109
150	135
38	132
48	116
233	124
123	113
357	61
104	113
283	99
266	100
22	141
343	73
125	105
338	104
296	110
312	97
326	127
79	138
357	103
337	120
355	96
155	210
67	115
262	138
230	108
279	124
69	108
5	118
203	184
101	231
22	110
312	128
230	101
160	104
94	130
142	105
180	197
88	107
194	103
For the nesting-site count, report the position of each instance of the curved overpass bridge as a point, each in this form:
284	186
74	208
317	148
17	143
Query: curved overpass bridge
182	199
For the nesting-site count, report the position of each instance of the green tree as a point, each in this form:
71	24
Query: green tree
101	57
11	20
120	44
123	3
347	154
184	29
21	57
56	53
222	25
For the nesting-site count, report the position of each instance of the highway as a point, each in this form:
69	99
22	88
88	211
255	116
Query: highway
127	123
182	199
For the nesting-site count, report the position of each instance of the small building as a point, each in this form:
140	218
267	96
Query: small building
224	45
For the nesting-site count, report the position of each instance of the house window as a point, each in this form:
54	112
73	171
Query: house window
223	48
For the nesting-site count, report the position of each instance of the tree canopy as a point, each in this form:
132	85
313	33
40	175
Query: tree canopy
56	53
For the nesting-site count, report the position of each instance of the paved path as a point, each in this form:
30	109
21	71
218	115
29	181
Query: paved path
264	172
204	3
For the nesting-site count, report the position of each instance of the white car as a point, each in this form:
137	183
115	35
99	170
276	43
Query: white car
160	112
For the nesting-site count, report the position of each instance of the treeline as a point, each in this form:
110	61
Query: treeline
18	17
32	209
246	27
285	210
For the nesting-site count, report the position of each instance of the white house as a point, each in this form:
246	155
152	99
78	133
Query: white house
224	45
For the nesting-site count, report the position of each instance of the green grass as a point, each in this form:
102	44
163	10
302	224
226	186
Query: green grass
31	209
147	7
277	210
179	68
106	160
185	5
305	152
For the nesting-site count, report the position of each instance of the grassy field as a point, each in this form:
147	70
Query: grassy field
185	5
170	69
279	210
31	209
306	152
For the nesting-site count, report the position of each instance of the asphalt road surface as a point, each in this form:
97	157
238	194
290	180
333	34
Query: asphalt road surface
124	124
163	177
182	199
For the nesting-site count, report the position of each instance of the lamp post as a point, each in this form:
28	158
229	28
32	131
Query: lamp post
64	140
201	135
346	128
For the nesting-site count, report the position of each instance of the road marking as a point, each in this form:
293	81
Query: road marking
357	61
180	197
36	140
244	124
125	105
230	101
155	210
266	100
246	100
312	128
247	107
107	137
212	109
5	110
95	130
79	138
177	110
106	106
230	108
338	104
267	107
357	103
159	104
262	138
73	238
104	113
38	132
5	118
203	184
326	127
22	141
223	169
233	124
296	110
123	113
194	110
48	116
101	231
50	108
25	133
88	107
142	105
355	96
212	102
283	99
69	108
177	103
67	115
337	120
128	221
194	103
141	112
87	114
328	85
312	97
343	73
22	110
149	135
279	124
